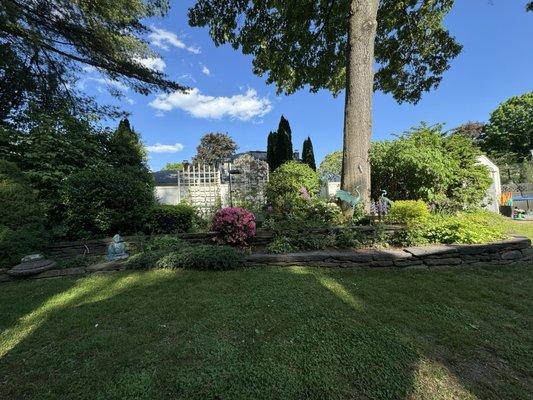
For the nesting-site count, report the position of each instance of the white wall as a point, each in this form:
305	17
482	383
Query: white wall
491	200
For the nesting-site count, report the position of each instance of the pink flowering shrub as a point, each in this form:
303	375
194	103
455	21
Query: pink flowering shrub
234	225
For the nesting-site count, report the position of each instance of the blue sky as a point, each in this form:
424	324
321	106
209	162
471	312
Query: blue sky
496	63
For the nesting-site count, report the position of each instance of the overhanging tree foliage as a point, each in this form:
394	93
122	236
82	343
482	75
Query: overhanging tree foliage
333	45
44	43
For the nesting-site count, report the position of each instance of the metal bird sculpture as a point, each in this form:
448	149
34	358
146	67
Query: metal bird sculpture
385	199
349	198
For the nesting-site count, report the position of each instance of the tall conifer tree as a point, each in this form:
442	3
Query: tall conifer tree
271	151
308	155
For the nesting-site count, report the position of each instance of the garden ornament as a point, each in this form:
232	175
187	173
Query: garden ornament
385	199
116	249
31	265
349	198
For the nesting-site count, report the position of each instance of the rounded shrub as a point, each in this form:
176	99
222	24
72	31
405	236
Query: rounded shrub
165	218
203	257
234	225
408	211
105	200
291	185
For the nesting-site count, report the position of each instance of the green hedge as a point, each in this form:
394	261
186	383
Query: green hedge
170	219
22	218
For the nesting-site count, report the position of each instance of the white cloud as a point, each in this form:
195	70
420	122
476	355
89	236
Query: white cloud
165	148
153	63
163	39
129	100
241	106
110	83
82	84
205	70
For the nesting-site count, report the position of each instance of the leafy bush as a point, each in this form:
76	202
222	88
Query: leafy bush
289	237
164	218
280	245
145	260
107	200
290	186
462	228
321	212
426	164
234	225
203	257
22	219
347	238
408	211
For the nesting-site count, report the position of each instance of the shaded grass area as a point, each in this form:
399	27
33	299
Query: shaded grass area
271	333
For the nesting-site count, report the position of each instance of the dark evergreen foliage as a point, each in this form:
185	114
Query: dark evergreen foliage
271	151
308	155
279	146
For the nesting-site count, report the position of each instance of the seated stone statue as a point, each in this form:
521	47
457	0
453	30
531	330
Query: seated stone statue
116	249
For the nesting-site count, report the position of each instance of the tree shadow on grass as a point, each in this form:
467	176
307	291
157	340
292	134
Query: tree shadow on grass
256	334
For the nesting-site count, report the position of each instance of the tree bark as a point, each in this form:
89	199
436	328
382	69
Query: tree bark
359	91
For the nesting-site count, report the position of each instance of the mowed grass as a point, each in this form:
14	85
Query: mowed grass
524	228
270	333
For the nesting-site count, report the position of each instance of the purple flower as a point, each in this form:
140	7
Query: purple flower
305	193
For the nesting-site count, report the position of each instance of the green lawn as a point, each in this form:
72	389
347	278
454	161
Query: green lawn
271	333
524	228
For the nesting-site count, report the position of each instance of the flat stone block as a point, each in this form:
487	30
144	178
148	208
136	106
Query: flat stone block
392	254
511	255
407	263
476	249
516	243
355	256
527	253
442	261
384	263
51	273
431	251
416	267
479	257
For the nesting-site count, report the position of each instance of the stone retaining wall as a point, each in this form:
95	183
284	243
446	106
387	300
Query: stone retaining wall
516	249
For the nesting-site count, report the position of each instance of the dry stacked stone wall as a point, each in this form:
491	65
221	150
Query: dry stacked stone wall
516	249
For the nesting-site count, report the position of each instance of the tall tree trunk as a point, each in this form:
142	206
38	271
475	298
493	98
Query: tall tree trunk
359	90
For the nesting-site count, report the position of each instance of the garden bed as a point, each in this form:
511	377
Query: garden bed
514	250
71	249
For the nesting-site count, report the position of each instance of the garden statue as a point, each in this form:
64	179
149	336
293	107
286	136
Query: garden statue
349	198
385	199
116	249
